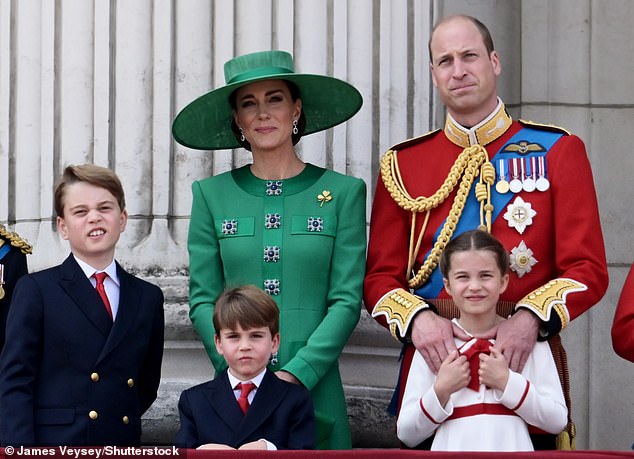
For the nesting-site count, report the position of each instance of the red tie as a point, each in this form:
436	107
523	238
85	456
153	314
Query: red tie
243	400
480	346
99	277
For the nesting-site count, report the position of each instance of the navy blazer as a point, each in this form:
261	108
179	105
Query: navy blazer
281	413
68	374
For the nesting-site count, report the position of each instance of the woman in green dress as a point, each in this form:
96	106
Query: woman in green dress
293	229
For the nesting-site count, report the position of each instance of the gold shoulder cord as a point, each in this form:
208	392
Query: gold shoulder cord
15	240
473	161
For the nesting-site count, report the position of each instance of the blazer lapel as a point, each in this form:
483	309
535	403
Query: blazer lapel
129	304
77	286
268	396
223	401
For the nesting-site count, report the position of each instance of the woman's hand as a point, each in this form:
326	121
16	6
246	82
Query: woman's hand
286	376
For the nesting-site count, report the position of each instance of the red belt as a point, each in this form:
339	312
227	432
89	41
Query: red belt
481	408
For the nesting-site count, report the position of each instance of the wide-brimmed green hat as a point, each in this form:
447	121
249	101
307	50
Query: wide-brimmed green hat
205	123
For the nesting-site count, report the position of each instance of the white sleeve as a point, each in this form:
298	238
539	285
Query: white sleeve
269	446
535	394
421	412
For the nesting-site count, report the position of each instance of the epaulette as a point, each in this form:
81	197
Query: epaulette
546	127
15	240
413	141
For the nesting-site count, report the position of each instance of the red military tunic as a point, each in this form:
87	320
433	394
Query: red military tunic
623	326
562	242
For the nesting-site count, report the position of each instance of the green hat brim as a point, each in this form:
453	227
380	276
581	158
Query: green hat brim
205	123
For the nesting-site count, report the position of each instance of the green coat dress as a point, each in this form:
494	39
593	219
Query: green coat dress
303	241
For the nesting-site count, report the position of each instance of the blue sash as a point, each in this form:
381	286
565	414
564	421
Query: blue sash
4	250
470	218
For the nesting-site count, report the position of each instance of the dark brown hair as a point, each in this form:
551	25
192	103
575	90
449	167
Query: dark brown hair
484	32
474	240
248	307
92	174
301	122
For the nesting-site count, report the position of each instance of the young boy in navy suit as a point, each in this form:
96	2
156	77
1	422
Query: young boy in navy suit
81	364
222	413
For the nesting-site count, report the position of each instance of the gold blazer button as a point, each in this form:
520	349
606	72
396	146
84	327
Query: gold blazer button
94	377
126	420
93	415
130	382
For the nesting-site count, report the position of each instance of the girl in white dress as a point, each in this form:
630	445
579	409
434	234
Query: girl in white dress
475	403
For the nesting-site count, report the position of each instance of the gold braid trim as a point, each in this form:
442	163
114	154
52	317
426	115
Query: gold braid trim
399	307
473	161
15	240
552	296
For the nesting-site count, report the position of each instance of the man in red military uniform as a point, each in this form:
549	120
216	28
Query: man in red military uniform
530	185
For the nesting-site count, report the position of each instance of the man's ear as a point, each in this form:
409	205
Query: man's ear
433	77
495	61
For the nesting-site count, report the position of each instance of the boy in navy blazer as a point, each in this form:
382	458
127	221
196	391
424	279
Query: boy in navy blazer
221	414
80	364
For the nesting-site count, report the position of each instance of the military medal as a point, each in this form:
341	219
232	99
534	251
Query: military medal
529	180
1	281
502	186
542	182
519	214
516	184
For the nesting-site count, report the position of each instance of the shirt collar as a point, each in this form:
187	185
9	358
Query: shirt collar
111	270
483	133
467	344
257	380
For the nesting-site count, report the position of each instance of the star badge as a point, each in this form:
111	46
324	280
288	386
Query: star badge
522	259
519	214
